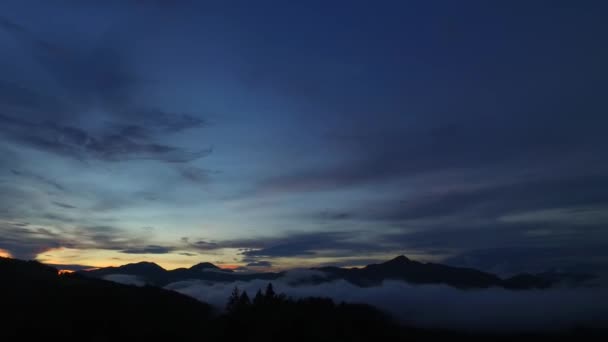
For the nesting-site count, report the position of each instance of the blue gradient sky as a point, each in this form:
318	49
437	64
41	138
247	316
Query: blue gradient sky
273	134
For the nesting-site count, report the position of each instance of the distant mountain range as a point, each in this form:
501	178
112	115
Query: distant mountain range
399	268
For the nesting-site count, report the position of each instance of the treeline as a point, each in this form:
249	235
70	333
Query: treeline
239	301
274	316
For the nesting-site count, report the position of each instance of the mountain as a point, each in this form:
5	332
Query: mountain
402	268
414	272
153	274
147	269
147	272
399	268
207	266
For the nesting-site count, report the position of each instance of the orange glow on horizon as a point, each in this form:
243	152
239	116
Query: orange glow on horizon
5	254
228	266
92	268
65	272
99	258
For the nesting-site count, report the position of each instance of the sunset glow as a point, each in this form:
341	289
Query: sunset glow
5	254
95	258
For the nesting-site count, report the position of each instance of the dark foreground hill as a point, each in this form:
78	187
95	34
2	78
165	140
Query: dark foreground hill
39	303
36	301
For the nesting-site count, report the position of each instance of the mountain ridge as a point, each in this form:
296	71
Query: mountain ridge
399	268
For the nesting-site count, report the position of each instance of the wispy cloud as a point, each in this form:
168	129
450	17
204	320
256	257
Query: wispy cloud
28	242
261	263
77	143
150	249
64	205
46	121
38	178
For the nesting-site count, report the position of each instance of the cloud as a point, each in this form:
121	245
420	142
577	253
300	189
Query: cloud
25	243
47	121
261	250
335	215
306	244
58	218
397	153
11	26
39	179
150	249
438	306
110	81
126	279
260	263
204	245
353	262
166	122
590	258
77	143
194	174
64	205
15	97
493	200
28	242
82	100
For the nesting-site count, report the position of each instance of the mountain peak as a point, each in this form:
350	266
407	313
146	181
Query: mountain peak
144	265
204	266
402	259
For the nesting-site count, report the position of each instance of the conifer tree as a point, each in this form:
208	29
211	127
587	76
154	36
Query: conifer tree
244	300
233	300
270	294
259	298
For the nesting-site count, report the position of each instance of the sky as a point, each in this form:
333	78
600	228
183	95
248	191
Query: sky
267	135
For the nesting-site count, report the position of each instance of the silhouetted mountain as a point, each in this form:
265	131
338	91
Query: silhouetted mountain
402	268
153	274
148	272
15	270
399	268
206	266
149	269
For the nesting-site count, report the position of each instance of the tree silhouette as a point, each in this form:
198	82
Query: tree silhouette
259	298
244	300
270	294
233	300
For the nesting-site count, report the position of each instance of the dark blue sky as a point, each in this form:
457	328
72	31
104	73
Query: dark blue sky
280	133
